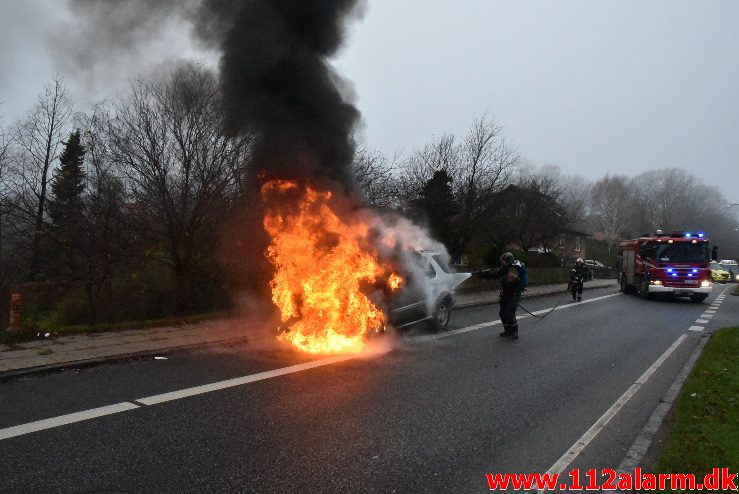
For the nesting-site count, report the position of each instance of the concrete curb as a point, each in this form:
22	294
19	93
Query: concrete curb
643	441
553	291
92	362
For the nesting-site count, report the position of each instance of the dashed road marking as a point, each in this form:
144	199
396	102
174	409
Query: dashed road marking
61	420
695	328
567	458
207	388
702	321
467	329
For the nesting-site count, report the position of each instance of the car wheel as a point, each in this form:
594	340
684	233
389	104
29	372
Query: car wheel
441	315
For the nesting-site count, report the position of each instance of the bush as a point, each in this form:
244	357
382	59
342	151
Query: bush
71	309
543	260
145	293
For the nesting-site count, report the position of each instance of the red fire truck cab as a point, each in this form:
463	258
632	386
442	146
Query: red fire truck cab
676	264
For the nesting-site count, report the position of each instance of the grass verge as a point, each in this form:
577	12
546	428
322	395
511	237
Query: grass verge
12	338
704	433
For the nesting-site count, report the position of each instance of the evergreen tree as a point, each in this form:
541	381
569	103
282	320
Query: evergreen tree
438	204
66	204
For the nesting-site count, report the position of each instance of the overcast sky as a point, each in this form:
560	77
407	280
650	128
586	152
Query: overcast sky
594	87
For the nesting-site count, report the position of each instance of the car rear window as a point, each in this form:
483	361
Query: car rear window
442	264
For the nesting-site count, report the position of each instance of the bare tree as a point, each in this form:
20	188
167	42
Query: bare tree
182	167
4	203
487	165
670	199
419	168
673	199
611	206
375	175
37	140
480	166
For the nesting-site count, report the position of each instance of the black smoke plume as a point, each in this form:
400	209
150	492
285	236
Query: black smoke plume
277	82
274	69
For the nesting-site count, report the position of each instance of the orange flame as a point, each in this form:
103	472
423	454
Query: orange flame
322	264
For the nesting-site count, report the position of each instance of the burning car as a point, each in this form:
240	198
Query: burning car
342	274
428	292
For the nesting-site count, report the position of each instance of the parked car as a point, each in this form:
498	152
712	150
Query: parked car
732	267
428	292
718	274
594	264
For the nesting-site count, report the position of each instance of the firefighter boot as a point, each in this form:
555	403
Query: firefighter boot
506	332
514	332
579	297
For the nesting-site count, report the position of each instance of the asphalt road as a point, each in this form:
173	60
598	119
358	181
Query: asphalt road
424	414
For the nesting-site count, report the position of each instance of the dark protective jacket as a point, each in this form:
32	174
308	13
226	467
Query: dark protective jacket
579	273
508	275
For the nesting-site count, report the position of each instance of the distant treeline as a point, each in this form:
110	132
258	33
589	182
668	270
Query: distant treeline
120	214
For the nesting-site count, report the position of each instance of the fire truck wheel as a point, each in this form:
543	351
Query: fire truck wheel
624	285
698	298
644	287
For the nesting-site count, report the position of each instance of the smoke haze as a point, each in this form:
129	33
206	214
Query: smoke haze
273	62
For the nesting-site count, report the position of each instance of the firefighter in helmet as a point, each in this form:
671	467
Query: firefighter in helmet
510	274
578	276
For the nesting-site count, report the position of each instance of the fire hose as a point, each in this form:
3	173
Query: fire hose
538	316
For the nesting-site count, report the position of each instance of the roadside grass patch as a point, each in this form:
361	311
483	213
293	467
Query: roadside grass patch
11	339
704	433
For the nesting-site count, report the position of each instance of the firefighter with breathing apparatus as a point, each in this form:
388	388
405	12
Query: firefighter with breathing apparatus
513	279
578	276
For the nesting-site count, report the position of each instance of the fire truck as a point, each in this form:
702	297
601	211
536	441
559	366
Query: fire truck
676	264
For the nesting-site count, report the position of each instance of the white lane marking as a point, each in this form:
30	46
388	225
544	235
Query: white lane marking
71	418
467	329
706	316
642	443
207	388
695	328
576	304
702	321
567	458
710	312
